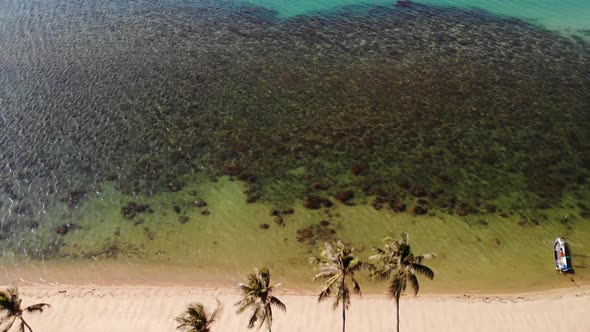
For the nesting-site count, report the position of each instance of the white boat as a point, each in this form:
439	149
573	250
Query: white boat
560	255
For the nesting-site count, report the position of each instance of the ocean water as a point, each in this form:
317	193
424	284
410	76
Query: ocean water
176	133
568	16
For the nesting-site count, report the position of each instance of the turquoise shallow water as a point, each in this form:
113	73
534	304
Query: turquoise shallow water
167	132
568	16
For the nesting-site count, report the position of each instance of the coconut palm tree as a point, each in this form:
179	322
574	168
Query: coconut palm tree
257	294
397	262
197	319
337	264
10	303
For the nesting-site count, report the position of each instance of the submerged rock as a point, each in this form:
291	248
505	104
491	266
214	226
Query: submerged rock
377	206
397	205
176	209
314	232
200	203
288	211
252	198
247	176
344	196
421	201
62	230
304	234
418	192
313	203
420	210
321	185
327	203
23	210
132	209
174	187
405	183
232	169
65	228
465	208
490	208
357	170
74	197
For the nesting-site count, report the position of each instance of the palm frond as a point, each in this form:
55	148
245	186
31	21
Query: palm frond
379	253
332	280
380	273
325	293
429	256
328	254
253	281
405	238
257	296
339	297
263	276
277	303
7	318
184	322
253	318
388	239
397	286
370	266
414	283
325	274
355	265
344	296
37	307
267	316
424	270
218	310
356	287
314	260
197	319
245	288
244	304
9	301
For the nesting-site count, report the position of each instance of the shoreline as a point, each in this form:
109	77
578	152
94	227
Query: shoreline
151	308
555	293
126	274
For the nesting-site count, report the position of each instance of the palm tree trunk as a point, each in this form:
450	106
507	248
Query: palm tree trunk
397	312
344	298
27	325
343	318
11	323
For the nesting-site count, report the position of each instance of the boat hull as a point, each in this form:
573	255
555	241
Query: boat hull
560	255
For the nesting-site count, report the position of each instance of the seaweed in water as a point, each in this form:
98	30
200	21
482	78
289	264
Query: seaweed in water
425	101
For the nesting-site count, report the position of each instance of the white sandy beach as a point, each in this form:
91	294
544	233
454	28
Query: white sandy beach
150	308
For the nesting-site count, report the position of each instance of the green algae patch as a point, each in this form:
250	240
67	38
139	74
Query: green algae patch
474	254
